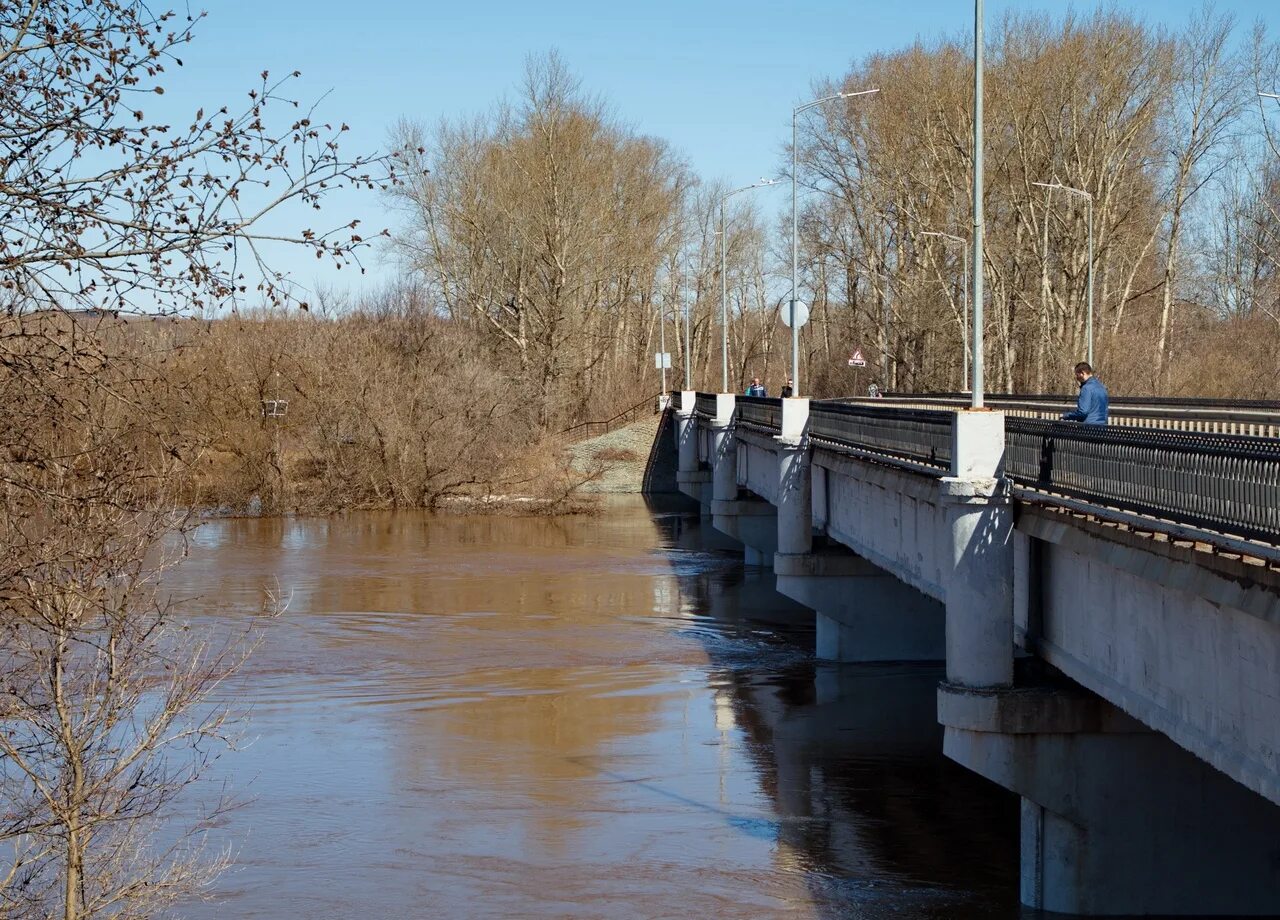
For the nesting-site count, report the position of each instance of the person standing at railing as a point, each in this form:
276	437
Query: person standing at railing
1093	401
788	389
756	388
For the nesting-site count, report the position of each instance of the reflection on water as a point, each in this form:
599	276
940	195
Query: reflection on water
500	717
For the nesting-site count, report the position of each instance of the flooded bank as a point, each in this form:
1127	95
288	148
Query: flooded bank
574	717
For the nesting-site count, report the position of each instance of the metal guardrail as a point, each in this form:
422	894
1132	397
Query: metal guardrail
1229	484
677	399
1225	484
921	436
705	405
762	412
1208	416
604	426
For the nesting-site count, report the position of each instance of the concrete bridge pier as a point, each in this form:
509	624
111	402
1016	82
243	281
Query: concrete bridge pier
691	478
1116	818
979	593
749	520
862	613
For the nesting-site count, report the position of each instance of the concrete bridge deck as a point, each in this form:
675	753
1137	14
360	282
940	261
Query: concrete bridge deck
1107	603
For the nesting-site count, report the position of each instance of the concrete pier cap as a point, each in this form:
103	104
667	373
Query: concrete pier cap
688	401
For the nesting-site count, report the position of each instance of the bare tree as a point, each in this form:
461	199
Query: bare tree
106	207
104	700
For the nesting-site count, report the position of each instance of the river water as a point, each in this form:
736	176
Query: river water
580	717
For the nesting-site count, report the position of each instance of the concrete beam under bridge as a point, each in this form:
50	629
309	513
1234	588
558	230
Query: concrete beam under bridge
753	523
1116	818
862	612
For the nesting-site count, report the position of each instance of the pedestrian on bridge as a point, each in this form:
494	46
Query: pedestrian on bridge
1092	403
788	389
756	388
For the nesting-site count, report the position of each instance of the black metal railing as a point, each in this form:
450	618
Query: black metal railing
705	405
1226	483
921	436
604	426
763	412
1208	416
677	399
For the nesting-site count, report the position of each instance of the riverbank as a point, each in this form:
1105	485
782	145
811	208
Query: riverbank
568	480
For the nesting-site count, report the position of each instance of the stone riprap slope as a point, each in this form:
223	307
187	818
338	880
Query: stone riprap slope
621	455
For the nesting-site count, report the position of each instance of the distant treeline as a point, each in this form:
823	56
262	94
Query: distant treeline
557	236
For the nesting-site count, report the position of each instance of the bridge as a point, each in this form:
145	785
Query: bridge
1106	601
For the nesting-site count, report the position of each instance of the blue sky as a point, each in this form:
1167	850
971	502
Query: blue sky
716	79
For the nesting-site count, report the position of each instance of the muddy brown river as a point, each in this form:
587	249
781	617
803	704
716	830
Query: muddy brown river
588	717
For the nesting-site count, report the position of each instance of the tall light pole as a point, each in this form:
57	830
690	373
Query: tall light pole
964	306
724	284
1088	198
978	364
688	343
662	345
795	246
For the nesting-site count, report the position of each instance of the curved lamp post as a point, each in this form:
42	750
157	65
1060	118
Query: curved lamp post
724	285
795	246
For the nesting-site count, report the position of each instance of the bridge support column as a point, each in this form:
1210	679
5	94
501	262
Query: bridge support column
979	631
687	434
795	499
724	452
751	523
1116	819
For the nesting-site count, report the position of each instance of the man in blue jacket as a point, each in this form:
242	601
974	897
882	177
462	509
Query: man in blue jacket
1091	406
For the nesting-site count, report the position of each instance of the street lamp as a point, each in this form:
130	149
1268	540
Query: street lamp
1275	96
724	285
964	307
688	342
1081	193
978	350
795	246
